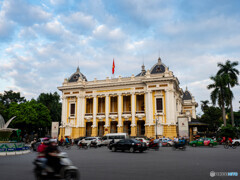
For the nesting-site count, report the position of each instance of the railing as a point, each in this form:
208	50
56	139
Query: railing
88	114
127	112
140	112
159	111
99	114
113	113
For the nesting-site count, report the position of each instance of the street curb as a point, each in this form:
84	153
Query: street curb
14	153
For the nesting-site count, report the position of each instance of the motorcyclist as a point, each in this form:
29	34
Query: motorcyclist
182	142
52	156
82	143
33	143
41	154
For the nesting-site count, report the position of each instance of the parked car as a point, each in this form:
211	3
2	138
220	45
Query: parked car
203	142
88	140
236	142
142	140
78	139
131	145
116	136
166	142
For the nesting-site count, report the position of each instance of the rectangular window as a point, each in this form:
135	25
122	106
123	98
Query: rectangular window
127	104
89	106
101	105
159	102
72	109
140	104
114	105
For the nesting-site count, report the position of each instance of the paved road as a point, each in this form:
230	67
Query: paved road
102	164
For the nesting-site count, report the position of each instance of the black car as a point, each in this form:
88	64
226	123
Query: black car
128	144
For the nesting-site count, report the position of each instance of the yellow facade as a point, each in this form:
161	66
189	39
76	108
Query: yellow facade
134	110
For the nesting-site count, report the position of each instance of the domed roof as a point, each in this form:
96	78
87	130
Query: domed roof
187	95
159	67
74	77
143	72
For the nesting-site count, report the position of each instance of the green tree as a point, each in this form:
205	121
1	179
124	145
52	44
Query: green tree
52	102
204	105
228	69
219	93
9	97
30	116
211	115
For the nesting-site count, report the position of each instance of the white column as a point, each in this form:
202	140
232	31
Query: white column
150	108
78	110
82	106
65	115
167	99
63	111
171	108
133	110
107	110
146	108
119	110
94	111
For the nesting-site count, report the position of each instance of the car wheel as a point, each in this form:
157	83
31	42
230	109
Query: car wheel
168	145
234	146
237	143
194	145
131	150
210	145
113	149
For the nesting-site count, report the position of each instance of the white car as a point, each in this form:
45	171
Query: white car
236	141
142	140
88	140
167	140
116	136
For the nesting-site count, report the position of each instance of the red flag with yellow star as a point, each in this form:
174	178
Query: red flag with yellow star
113	67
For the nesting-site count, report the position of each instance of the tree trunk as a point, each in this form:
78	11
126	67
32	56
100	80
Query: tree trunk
232	116
224	115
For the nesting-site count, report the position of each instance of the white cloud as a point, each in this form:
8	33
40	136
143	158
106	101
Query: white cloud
24	14
79	21
102	32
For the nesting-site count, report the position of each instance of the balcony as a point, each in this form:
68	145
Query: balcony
88	116
126	115
140	114
113	115
101	115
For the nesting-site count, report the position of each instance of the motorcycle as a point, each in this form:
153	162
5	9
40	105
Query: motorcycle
82	145
179	146
67	170
154	146
93	144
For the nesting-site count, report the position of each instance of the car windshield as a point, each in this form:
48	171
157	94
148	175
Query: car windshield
135	141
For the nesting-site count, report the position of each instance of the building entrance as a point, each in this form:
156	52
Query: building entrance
113	127
101	128
88	129
127	127
140	128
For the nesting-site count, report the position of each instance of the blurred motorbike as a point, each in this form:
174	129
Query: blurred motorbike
154	146
179	146
67	170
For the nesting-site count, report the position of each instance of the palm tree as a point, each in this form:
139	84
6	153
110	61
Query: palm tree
231	73
219	93
204	105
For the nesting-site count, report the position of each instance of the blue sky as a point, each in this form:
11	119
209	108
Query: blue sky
42	42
